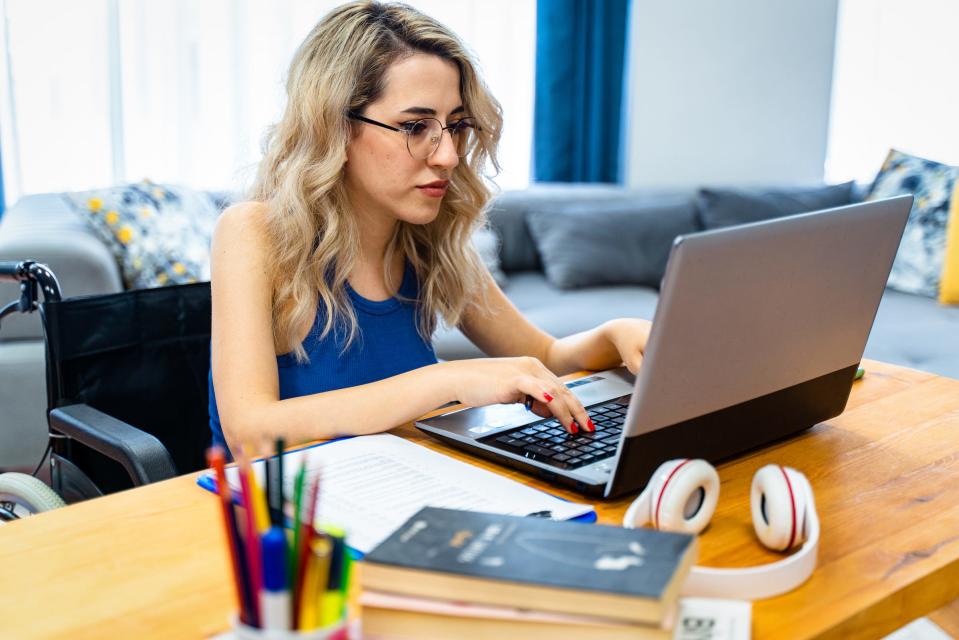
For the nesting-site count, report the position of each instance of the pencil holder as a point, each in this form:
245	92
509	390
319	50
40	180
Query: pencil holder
337	631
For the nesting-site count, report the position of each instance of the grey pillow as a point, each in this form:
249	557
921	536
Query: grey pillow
585	244
726	207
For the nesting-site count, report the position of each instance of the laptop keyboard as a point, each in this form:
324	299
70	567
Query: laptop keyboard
549	442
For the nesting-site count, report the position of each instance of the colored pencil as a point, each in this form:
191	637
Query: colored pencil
314	584
216	459
308	531
255	563
297	506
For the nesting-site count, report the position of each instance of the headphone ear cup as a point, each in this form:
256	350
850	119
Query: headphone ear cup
684	496
779	507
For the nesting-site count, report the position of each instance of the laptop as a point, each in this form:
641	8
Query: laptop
757	336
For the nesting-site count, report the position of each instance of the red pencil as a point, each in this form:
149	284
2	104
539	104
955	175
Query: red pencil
216	459
252	536
303	552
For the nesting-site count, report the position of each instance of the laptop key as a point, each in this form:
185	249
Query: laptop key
561	457
540	451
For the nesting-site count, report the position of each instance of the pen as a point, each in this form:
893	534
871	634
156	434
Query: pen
274	490
275	595
216	458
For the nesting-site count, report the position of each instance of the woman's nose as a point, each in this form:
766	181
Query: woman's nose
445	154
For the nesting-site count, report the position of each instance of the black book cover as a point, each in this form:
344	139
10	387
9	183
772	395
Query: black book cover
571	555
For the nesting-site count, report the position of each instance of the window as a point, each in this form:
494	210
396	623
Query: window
894	85
104	91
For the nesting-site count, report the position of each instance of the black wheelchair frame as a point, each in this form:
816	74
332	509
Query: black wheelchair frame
78	430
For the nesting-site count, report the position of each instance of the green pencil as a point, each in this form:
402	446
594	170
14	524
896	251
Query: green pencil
297	506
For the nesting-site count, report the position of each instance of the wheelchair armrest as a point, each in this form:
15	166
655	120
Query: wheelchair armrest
145	459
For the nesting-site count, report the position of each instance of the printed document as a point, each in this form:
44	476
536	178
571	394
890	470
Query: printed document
370	485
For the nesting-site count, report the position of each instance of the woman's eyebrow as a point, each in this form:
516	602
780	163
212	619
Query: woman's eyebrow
426	111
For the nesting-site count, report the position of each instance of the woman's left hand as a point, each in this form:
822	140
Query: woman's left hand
629	336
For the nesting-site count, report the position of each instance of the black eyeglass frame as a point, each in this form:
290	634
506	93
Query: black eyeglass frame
355	116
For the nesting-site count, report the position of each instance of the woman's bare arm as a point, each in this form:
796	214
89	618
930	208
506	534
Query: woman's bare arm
244	359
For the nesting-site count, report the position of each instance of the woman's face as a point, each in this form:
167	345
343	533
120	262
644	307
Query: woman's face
381	176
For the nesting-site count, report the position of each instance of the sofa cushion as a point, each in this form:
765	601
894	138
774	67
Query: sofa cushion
918	265
916	331
558	312
507	214
158	234
45	228
609	242
726	207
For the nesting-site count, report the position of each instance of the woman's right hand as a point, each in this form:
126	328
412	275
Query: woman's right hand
486	381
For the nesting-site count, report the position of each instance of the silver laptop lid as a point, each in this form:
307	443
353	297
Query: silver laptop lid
754	309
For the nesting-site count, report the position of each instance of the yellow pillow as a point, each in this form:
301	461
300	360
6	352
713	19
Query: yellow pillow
949	284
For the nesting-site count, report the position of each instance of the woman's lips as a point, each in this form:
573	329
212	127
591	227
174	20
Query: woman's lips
434	190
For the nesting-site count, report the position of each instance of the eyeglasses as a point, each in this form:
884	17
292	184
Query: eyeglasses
423	136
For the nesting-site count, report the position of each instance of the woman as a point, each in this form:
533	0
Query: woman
328	284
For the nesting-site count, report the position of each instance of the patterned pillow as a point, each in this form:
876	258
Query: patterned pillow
159	234
918	265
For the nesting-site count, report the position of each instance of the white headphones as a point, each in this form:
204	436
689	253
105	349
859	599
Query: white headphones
682	495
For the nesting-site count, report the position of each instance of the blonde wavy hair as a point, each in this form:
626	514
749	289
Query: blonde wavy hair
340	68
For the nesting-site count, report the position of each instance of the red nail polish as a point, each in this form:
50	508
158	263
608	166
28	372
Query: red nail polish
589	423
572	427
548	397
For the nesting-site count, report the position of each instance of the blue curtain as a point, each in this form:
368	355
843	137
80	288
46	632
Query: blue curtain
580	53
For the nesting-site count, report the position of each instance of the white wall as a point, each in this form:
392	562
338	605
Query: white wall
729	92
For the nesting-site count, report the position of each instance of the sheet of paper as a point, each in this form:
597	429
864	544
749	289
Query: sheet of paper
370	485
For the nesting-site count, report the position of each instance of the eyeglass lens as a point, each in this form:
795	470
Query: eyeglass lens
424	136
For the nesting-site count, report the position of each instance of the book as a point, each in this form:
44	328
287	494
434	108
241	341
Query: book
713	619
372	484
538	564
385	615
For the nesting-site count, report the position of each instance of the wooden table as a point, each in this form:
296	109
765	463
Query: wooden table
151	562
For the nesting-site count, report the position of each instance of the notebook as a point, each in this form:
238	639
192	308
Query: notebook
370	485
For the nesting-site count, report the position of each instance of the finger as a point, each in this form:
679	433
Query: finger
541	409
634	362
578	411
558	404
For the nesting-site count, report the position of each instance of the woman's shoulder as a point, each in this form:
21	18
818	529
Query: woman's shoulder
243	222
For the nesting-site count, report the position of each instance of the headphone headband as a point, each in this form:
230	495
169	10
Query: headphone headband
748	583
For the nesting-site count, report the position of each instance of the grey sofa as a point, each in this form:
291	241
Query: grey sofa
909	330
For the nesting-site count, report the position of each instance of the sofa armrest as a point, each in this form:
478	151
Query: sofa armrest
47	229
144	457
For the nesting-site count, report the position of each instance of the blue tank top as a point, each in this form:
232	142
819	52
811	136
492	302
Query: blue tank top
387	343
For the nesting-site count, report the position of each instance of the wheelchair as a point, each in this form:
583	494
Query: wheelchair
127	395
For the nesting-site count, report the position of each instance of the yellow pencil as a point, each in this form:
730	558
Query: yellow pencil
261	516
260	512
314	582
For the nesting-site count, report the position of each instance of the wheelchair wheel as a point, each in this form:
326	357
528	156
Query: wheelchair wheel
22	495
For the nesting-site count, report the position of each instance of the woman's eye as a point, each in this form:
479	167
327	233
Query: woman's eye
462	126
415	128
